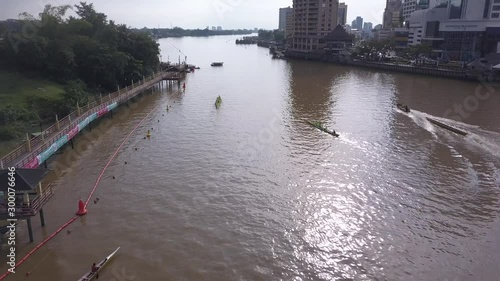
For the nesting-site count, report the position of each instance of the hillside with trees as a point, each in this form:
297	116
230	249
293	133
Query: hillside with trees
83	55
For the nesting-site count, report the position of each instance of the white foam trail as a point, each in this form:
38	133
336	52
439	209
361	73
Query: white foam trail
492	147
483	139
353	143
419	119
497	177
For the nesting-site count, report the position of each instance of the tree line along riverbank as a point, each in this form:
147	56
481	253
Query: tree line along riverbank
179	32
65	61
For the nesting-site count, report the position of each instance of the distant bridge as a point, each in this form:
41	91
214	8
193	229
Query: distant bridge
36	150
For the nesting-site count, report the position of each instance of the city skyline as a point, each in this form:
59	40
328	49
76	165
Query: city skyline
231	14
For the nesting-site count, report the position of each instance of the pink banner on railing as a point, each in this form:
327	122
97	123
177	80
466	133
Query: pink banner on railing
103	111
33	164
72	133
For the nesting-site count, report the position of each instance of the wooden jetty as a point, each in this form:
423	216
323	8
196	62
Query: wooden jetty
63	130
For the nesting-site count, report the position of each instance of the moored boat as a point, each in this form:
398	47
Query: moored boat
447	127
92	274
217	64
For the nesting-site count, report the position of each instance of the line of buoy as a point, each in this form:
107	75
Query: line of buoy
73	219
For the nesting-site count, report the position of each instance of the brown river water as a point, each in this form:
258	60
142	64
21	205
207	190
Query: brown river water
252	192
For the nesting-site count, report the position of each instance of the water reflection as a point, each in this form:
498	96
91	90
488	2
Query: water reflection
251	192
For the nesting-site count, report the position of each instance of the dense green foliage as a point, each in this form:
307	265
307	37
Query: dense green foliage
179	32
26	99
376	49
272	35
88	54
413	52
91	48
373	49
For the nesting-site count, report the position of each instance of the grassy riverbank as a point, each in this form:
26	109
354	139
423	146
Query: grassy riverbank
8	146
16	89
17	92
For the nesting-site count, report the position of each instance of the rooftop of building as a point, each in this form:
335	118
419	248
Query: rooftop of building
338	34
25	179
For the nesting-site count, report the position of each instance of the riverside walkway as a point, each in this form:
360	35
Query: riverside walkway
35	150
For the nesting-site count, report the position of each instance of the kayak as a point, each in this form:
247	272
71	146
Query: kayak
218	101
447	127
317	126
90	275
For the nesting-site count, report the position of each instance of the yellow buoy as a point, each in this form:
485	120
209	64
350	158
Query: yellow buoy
149	134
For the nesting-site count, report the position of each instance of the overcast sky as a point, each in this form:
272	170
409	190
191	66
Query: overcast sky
230	14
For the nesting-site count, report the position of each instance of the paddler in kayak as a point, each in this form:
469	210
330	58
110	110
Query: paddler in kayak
94	269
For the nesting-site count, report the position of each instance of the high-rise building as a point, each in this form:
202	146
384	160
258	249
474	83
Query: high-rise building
472	29
459	29
283	15
354	24
219	28
289	26
289	30
423	24
409	6
312	20
342	14
359	23
368	26
393	14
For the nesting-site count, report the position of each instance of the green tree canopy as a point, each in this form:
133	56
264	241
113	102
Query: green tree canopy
87	53
88	47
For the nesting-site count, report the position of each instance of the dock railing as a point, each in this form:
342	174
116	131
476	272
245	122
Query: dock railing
40	143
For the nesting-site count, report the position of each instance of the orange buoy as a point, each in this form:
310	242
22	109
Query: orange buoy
81	208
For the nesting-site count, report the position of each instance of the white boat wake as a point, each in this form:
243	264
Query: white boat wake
477	137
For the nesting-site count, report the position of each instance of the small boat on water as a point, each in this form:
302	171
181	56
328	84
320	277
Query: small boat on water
447	127
320	126
91	275
403	108
218	101
217	64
